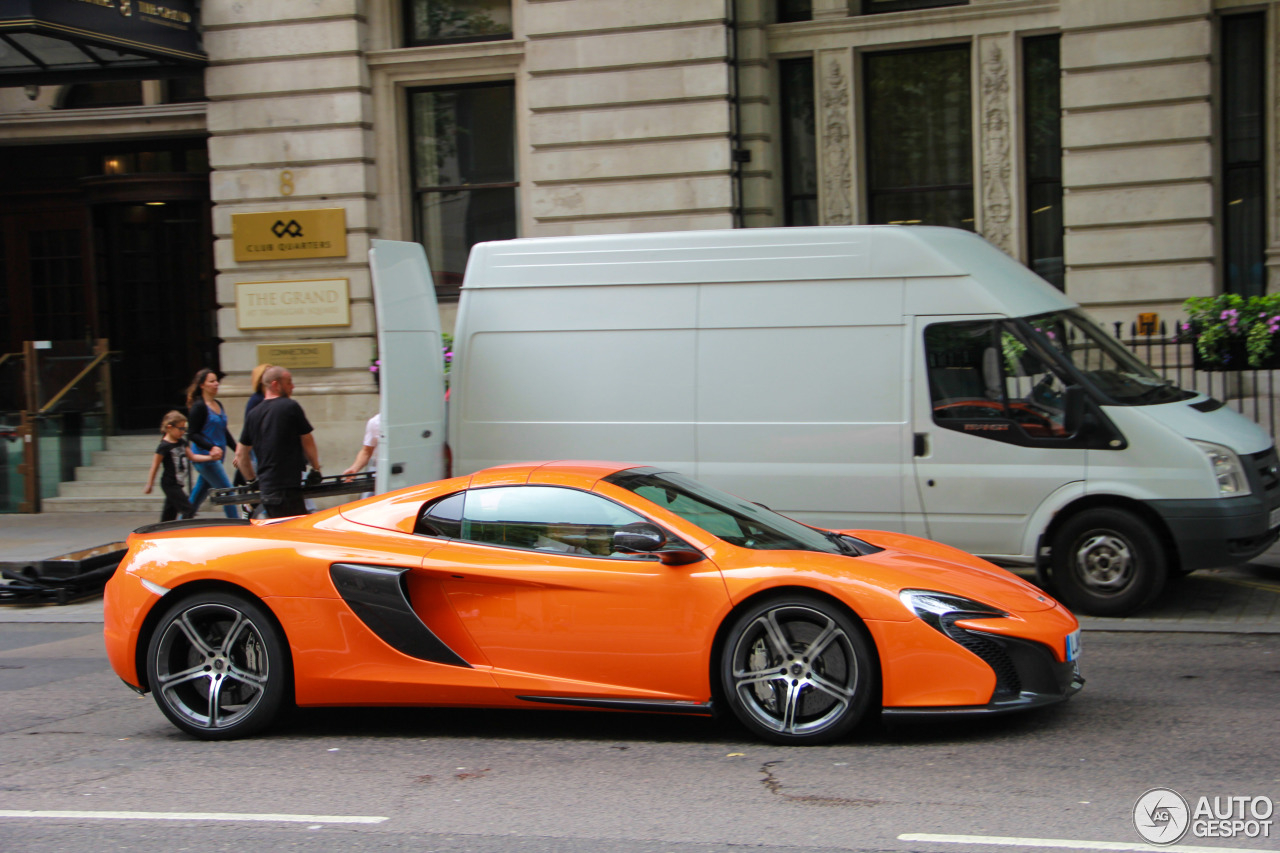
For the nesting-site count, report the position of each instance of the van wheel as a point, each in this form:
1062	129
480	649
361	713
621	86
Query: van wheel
1107	562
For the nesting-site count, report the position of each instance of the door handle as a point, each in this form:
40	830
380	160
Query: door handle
921	444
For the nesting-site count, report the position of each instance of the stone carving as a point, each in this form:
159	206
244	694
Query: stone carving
997	207
837	150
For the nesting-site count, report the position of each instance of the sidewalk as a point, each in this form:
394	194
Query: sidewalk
1240	600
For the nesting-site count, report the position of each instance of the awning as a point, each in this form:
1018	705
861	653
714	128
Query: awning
54	42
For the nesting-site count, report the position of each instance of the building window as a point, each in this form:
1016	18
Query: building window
464	174
1041	86
794	10
442	21
1243	51
872	7
919	134
799	146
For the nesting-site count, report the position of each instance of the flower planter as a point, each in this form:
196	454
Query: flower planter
1232	355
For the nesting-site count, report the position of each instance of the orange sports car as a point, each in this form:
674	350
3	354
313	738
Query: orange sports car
576	585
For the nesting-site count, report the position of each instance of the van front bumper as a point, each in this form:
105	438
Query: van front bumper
1223	532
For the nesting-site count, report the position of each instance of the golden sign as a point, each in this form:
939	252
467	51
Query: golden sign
293	304
297	355
1147	323
289	234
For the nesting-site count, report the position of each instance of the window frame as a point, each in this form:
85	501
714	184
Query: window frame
406	22
449	292
674	542
1233	240
869	123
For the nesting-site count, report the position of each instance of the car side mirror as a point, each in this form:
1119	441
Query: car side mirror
641	537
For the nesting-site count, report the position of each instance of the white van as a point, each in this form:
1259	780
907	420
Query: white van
902	378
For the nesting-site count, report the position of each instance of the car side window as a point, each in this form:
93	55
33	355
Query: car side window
544	518
442	518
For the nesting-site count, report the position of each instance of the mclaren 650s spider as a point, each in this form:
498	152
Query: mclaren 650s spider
576	585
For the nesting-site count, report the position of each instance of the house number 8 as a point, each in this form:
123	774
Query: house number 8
286	182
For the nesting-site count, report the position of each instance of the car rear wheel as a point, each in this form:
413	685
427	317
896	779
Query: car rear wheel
217	666
1107	562
798	670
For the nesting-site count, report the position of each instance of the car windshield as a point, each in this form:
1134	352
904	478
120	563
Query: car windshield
1114	372
732	519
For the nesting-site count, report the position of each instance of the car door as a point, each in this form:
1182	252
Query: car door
529	571
991	440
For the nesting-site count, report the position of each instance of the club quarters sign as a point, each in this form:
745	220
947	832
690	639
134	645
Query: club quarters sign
293	304
289	235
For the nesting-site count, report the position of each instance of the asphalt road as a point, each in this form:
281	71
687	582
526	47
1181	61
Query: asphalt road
1193	712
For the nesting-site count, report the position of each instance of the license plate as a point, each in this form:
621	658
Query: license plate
1073	645
1275	519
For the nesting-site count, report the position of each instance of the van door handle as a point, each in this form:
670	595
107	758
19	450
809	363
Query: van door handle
921	444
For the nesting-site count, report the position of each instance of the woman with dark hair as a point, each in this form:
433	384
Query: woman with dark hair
207	429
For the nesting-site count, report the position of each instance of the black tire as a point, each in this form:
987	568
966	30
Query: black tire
218	666
1107	562
798	670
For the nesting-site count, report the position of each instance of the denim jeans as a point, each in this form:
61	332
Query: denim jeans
212	476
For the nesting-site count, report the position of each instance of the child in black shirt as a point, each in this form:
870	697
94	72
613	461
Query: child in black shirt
173	453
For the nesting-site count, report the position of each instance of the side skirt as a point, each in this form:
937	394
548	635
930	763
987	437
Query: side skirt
699	709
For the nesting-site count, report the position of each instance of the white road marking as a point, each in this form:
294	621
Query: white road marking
220	816
1066	843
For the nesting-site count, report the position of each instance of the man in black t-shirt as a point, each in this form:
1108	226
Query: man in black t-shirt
278	433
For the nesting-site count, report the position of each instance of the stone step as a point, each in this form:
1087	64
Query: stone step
140	503
111	489
136	473
133	443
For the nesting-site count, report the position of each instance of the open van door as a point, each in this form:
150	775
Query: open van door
411	447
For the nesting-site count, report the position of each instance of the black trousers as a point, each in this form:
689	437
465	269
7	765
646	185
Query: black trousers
176	503
283	503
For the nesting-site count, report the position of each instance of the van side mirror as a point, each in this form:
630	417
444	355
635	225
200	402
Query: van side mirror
641	537
1073	410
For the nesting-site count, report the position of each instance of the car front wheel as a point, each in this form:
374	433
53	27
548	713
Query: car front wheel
217	666
798	670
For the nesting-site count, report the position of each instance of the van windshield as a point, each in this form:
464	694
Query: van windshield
732	519
1101	360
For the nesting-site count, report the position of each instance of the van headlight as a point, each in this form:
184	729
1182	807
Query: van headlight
941	609
1226	468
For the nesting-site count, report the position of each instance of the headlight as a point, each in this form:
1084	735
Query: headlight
941	609
1226	468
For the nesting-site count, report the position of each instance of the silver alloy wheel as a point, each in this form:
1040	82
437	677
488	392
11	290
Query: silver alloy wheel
211	666
1105	561
794	670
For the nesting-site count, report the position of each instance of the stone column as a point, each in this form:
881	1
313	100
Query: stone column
629	123
994	143
290	129
824	9
1137	125
833	76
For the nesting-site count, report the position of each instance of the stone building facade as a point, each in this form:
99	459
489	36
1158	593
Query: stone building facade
1126	149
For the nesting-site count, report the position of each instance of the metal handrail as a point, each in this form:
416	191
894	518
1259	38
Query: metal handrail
74	382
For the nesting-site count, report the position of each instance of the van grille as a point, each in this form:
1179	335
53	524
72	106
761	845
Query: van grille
1267	467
